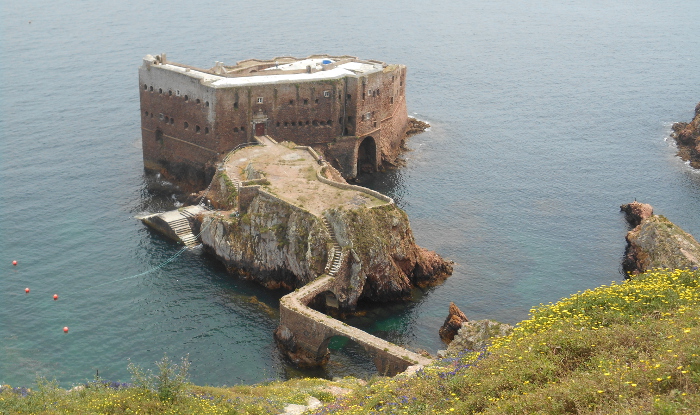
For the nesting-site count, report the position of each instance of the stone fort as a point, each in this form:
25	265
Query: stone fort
351	111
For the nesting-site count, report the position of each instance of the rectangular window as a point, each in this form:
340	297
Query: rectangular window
326	94
260	100
368	116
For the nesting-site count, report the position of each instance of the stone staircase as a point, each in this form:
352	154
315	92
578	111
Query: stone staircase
335	259
181	227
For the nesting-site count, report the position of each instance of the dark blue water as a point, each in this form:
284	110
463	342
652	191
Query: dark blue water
546	116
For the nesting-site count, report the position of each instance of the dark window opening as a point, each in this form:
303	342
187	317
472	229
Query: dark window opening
235	129
206	130
198	101
151	88
286	124
172	121
159	135
306	102
294	123
329	122
322	122
315	122
146	113
197	128
349	118
170	93
242	128
160	90
391	100
187	98
375	123
307	122
187	125
349	96
291	102
316	100
235	105
206	104
145	87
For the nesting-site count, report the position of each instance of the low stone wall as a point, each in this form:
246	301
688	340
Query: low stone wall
319	176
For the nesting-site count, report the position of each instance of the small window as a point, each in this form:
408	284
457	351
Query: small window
235	105
368	115
206	104
197	129
329	122
187	98
315	122
375	124
322	122
294	123
206	130
198	101
316	100
326	94
307	122
291	102
151	88
243	128
391	100
145	87
170	92
369	93
377	92
172	121
260	100
187	125
306	102
160	90
349	118
286	124
177	92
146	113
235	129
349	96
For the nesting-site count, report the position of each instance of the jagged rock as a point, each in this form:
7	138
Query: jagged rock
454	321
416	126
635	212
475	335
658	243
687	136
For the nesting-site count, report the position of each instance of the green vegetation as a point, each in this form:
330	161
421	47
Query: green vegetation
630	348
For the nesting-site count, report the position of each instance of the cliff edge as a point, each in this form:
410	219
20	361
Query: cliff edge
655	242
687	136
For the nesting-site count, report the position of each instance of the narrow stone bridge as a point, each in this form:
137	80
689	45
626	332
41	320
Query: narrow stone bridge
313	330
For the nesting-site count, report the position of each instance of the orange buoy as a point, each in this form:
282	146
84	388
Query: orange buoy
55	297
14	263
26	290
65	329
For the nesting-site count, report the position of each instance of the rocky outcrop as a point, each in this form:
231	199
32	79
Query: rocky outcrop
415	127
687	136
636	212
453	322
282	246
475	335
658	243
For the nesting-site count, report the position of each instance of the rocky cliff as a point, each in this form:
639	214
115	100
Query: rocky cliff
656	242
280	245
687	136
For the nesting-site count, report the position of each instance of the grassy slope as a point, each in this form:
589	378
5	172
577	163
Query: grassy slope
626	348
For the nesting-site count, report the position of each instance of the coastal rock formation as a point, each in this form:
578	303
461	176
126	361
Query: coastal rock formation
280	246
658	243
635	212
454	321
687	136
415	127
474	335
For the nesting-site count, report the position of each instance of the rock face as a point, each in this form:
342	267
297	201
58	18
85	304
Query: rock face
687	136
454	321
474	335
281	246
636	212
658	243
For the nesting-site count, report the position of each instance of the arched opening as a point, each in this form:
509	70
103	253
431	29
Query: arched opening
367	156
159	135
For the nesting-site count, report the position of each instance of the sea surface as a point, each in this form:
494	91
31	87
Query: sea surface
546	116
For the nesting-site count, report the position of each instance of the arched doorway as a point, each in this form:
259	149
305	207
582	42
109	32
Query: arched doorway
367	156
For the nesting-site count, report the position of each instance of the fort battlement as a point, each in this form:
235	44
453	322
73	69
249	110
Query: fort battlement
352	111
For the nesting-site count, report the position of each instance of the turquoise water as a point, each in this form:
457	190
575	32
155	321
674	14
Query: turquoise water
546	116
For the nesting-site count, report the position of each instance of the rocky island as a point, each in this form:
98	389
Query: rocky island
687	136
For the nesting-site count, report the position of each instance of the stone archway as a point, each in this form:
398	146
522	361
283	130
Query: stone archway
367	156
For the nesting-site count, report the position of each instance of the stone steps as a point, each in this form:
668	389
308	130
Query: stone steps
336	259
181	227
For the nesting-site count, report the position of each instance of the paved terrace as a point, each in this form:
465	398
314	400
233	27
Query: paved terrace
294	176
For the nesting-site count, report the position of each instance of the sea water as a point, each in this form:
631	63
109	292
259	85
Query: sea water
545	115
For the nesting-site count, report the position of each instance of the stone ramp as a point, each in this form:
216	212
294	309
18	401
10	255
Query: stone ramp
313	330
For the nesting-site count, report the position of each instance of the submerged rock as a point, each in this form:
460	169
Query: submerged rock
657	242
454	321
687	136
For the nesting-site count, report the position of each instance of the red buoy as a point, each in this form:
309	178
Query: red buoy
26	290
65	329
14	263
55	297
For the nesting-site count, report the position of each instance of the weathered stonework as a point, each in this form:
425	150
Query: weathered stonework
353	111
